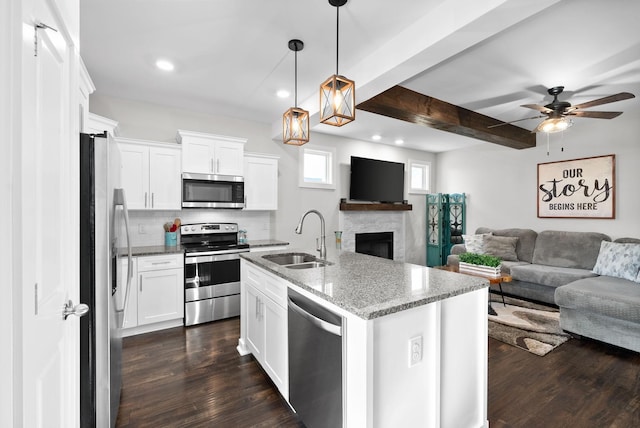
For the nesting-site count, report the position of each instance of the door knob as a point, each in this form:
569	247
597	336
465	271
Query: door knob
78	310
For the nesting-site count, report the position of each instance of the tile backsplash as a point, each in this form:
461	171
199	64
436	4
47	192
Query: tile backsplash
146	226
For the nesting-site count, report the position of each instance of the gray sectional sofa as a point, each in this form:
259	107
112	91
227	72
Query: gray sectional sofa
556	267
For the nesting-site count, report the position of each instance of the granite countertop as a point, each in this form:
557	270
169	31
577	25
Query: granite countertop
158	250
266	243
370	287
152	250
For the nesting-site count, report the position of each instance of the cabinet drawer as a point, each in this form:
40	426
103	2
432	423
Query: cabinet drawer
170	261
275	289
253	276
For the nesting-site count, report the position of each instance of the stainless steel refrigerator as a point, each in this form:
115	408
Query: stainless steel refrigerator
104	239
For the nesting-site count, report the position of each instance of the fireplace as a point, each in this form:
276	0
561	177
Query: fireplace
363	222
378	244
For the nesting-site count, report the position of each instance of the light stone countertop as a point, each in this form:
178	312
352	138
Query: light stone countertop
151	250
259	243
371	287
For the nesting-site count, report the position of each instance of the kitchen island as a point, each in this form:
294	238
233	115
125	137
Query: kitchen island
386	307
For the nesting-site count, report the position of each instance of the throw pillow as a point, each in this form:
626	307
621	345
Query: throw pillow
501	246
474	243
618	260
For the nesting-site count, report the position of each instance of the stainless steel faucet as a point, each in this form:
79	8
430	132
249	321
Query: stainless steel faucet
322	247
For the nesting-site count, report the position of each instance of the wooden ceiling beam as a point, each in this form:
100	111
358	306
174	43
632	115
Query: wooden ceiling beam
410	106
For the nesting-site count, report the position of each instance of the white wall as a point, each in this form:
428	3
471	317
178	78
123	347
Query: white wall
501	183
158	123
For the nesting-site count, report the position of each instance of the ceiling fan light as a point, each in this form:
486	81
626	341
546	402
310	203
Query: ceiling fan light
337	101
555	124
295	127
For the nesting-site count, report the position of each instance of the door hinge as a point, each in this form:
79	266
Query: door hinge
36	27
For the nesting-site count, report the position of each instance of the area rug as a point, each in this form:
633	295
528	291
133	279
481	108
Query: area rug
525	325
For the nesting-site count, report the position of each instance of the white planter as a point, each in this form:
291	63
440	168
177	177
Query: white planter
493	272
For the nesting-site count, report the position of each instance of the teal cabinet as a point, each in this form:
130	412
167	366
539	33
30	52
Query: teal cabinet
446	223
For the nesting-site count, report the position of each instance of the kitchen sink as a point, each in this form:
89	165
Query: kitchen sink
290	258
307	265
296	260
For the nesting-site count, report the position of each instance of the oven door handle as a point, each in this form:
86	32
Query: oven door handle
189	260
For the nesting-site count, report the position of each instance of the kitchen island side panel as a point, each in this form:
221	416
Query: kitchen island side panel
464	361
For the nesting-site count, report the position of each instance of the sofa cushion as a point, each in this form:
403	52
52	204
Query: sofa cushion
618	260
503	247
475	243
604	295
507	265
551	276
526	240
577	250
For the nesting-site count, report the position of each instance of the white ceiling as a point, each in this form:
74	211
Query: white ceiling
231	56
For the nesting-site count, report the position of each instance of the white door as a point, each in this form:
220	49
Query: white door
49	204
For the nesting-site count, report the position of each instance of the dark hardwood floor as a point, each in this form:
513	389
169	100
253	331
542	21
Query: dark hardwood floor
194	377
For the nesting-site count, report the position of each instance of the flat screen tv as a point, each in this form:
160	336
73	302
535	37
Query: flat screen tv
376	180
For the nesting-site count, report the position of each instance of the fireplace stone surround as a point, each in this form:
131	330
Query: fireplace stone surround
352	222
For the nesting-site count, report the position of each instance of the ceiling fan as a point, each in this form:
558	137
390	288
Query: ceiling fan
558	113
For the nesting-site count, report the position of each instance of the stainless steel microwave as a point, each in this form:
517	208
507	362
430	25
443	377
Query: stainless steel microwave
212	191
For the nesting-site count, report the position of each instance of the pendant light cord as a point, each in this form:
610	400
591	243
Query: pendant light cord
295	90
337	36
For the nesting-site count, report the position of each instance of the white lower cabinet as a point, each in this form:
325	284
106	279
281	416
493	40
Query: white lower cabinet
156	299
265	315
255	324
276	346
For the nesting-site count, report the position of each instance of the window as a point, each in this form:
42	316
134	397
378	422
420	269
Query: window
317	167
419	176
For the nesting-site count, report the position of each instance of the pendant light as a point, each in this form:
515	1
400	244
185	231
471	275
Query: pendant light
295	121
337	93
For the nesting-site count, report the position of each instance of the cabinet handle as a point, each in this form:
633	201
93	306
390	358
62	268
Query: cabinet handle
218	165
161	263
152	201
212	165
141	283
145	199
257	307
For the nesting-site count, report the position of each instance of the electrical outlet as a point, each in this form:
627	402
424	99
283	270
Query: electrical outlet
142	229
415	350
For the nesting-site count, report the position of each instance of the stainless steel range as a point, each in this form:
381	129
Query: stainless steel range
211	271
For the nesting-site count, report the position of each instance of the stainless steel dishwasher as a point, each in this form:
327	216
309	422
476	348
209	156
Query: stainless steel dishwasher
315	363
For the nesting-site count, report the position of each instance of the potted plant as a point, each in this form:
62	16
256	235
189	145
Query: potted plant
483	264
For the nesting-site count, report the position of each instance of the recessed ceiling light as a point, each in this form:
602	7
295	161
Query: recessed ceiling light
283	93
399	141
165	65
376	137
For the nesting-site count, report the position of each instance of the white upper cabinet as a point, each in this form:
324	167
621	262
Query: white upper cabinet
164	178
99	124
260	181
211	154
150	174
